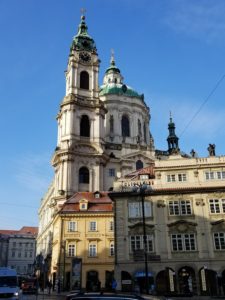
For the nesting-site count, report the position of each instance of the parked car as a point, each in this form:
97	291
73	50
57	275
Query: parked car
29	286
102	296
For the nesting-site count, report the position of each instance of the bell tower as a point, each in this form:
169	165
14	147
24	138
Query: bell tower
172	140
83	65
79	156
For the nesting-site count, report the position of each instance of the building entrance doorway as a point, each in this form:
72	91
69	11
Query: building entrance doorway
187	281
92	283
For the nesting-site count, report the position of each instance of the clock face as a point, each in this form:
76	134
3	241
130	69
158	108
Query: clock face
85	57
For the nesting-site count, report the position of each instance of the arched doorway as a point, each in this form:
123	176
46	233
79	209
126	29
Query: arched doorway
92	282
140	280
126	281
208	282
109	275
166	282
187	281
223	281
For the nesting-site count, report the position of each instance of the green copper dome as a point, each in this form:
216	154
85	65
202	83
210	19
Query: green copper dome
113	68
113	82
119	89
82	41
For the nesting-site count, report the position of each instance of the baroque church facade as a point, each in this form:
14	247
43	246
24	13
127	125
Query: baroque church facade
104	151
103	133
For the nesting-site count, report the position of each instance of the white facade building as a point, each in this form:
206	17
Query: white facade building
103	132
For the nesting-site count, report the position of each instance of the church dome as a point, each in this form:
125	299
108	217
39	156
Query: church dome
113	83
119	89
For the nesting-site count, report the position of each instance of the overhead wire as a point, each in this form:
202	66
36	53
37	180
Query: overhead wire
203	103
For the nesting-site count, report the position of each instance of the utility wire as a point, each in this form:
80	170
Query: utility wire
204	102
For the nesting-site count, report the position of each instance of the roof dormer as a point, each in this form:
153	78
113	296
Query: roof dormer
83	204
97	195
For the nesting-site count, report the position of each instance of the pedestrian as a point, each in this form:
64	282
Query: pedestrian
114	285
59	286
49	286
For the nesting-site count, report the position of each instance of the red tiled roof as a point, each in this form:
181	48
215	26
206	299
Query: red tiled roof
90	197
29	230
148	170
102	204
23	230
8	231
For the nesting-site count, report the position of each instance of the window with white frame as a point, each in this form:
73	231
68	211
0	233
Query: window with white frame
219	240
135	209
112	249
137	243
171	178
144	177
71	250
111	226
221	175
92	250
72	226
180	207
183	242
217	206
215	175
92	226
83	206
180	177
112	172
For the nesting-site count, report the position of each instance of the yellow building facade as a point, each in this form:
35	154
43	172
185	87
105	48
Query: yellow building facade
83	243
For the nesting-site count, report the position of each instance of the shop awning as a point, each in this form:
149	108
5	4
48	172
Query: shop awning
142	274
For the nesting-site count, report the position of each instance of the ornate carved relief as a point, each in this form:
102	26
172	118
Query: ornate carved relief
161	203
218	225
182	226
199	202
138	229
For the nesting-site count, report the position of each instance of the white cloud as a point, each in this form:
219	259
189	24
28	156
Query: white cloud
33	171
202	19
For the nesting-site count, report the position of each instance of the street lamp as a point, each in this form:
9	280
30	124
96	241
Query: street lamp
142	189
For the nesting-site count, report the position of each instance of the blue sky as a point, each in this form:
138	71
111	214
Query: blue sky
172	51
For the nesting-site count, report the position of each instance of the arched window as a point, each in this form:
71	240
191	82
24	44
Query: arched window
85	126
111	123
83	175
125	124
144	130
139	128
84	80
139	164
